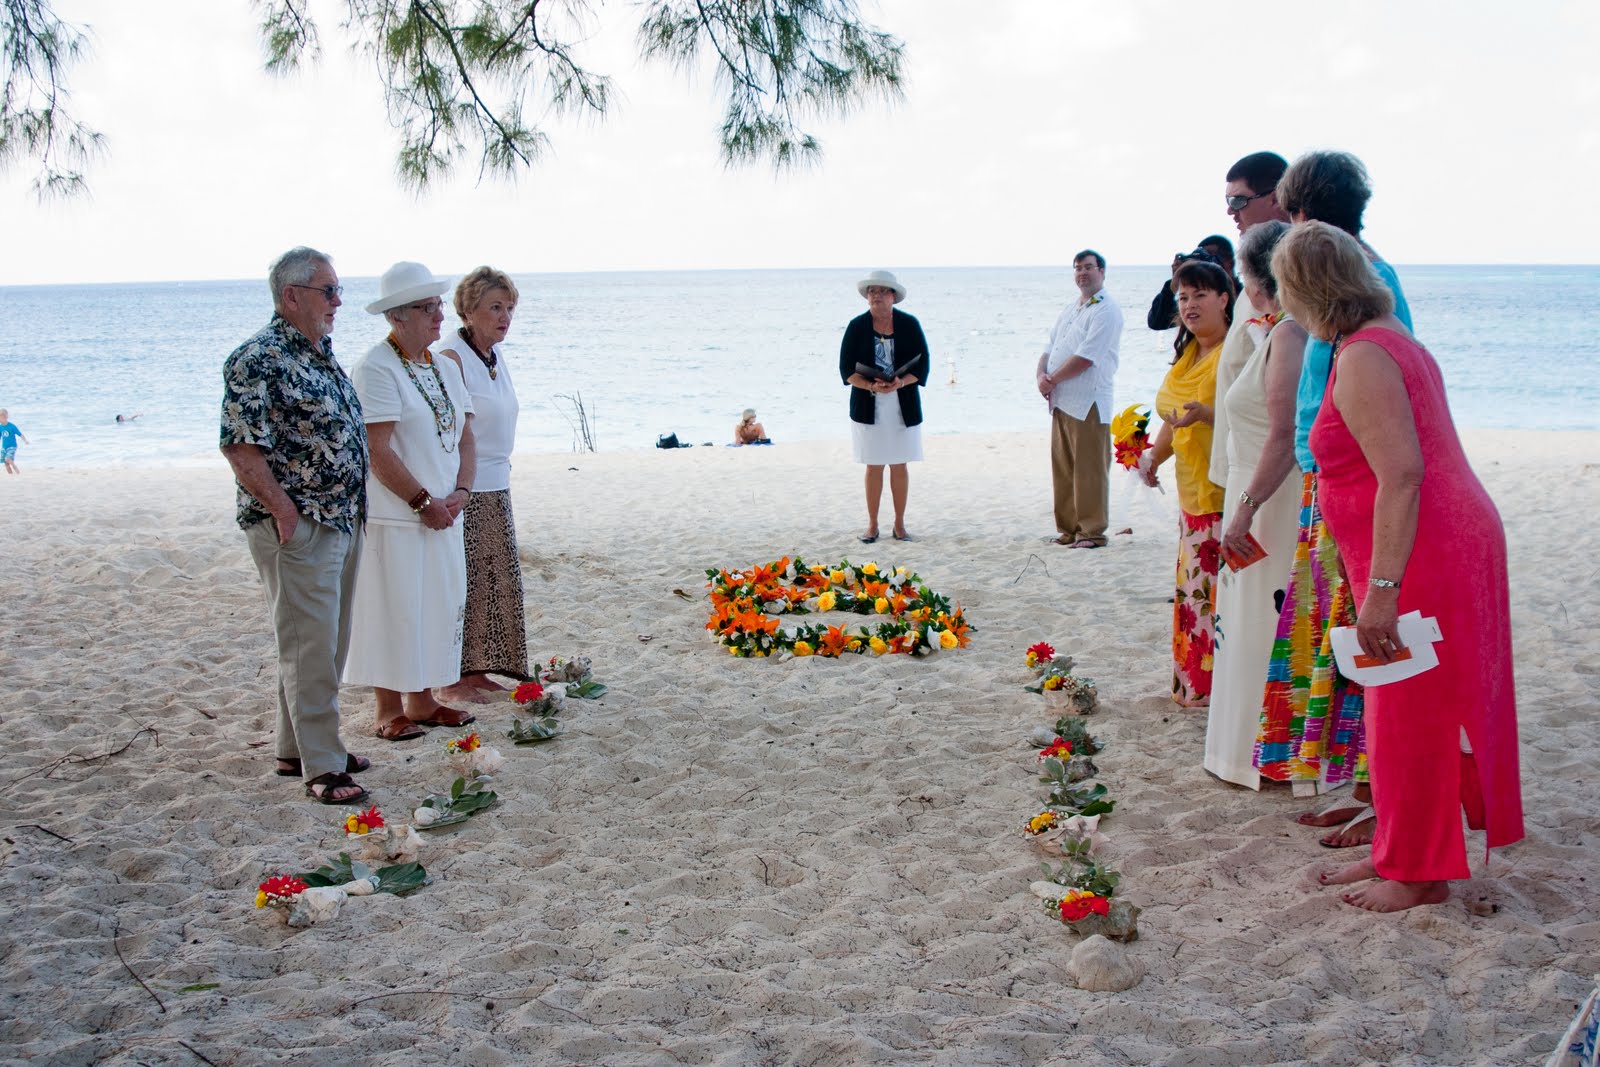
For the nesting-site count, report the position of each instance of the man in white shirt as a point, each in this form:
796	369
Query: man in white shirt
1074	376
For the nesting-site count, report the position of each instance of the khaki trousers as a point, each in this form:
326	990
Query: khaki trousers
1080	469
309	583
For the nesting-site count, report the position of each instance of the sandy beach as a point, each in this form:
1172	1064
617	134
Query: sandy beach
729	861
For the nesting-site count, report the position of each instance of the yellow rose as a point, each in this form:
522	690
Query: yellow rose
854	645
261	898
947	639
880	605
826	601
869	569
878	646
837	577
802	648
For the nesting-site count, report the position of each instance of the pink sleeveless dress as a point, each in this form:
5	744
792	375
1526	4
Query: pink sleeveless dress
1421	777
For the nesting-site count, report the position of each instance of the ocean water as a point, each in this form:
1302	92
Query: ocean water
685	352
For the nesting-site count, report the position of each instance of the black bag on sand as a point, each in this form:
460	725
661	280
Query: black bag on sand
670	440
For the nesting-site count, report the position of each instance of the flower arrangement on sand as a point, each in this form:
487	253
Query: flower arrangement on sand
279	891
746	606
1038	655
1130	437
364	822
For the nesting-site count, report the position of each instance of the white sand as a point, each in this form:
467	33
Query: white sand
741	862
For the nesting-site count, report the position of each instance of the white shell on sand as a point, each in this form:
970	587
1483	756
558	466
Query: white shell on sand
1048	890
1103	966
424	816
361	887
316	905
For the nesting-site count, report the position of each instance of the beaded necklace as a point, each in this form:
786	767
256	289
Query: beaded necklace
444	419
491	361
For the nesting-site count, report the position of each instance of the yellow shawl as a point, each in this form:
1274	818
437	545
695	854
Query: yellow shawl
1192	378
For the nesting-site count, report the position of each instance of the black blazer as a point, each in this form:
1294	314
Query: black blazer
908	344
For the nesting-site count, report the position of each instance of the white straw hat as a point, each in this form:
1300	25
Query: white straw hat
405	283
885	279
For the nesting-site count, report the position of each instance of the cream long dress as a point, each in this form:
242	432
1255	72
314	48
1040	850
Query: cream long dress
1248	600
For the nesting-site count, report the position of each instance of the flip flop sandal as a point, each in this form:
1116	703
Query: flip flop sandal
467	718
331	781
410	732
353	765
1332	840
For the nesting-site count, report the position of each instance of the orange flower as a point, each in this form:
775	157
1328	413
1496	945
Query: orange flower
874	589
835	642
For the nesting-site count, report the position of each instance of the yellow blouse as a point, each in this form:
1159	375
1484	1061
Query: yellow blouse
1193	378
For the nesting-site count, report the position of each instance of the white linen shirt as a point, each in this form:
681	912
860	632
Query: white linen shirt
1091	329
494	407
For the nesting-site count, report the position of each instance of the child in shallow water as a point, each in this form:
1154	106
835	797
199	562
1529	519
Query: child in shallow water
8	441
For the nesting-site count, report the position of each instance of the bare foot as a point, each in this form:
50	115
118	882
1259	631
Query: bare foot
1360	833
482	681
1397	896
464	693
1359	871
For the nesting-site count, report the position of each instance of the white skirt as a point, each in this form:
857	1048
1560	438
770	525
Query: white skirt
887	440
409	607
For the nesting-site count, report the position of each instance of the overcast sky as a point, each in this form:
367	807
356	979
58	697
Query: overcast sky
1029	129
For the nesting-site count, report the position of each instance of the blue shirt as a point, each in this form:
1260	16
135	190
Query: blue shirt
8	434
1319	361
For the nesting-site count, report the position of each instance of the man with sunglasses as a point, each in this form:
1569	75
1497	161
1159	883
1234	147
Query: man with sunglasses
1251	197
293	433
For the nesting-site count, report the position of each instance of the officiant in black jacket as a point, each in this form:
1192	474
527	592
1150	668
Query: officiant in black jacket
884	360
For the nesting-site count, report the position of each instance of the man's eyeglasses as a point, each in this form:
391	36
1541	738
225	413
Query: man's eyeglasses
329	291
1239	203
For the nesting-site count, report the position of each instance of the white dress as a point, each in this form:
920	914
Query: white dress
411	588
887	440
1247	601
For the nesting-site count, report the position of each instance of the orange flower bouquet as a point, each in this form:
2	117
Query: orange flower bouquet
1130	438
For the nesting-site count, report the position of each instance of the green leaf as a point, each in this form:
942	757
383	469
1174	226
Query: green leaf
199	987
457	787
590	690
402	878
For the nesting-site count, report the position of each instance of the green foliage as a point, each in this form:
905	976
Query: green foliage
465	800
36	48
1080	872
533	731
780	62
1076	800
1073	728
590	690
464	76
399	879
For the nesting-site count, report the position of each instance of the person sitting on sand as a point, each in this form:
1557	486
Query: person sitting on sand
8	441
1416	532
749	431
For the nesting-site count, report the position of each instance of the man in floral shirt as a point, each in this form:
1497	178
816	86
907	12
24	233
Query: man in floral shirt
293	433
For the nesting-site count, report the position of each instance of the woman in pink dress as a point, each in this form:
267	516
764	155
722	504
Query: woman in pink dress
1416	532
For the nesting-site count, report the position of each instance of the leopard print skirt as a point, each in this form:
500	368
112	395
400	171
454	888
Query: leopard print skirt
495	640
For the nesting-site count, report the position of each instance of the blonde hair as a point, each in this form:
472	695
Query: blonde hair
470	290
1326	281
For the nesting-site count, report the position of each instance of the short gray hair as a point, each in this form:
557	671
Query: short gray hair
1255	253
295	267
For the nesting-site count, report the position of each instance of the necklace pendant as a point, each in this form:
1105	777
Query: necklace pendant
493	373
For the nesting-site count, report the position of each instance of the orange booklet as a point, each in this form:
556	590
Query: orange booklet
1238	561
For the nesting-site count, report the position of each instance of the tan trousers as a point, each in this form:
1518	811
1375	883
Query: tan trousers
1080	469
309	584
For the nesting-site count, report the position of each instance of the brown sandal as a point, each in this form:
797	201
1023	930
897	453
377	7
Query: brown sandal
331	781
394	731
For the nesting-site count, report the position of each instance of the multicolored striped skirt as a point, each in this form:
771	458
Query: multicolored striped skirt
1194	612
1311	726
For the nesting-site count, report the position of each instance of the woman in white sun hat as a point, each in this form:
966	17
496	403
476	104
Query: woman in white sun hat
884	360
411	589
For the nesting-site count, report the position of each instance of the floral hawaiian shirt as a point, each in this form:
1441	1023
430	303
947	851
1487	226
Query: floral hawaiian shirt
290	398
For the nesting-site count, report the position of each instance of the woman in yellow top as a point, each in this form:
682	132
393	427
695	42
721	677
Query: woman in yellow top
1186	403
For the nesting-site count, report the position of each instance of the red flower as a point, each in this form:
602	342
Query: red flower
1079	907
1186	619
527	692
1043	650
1060	748
1196	523
1210	554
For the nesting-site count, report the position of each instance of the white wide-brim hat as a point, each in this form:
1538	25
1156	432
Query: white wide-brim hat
885	279
406	283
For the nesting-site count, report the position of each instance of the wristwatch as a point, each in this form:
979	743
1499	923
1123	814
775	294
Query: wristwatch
1248	501
1383	583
